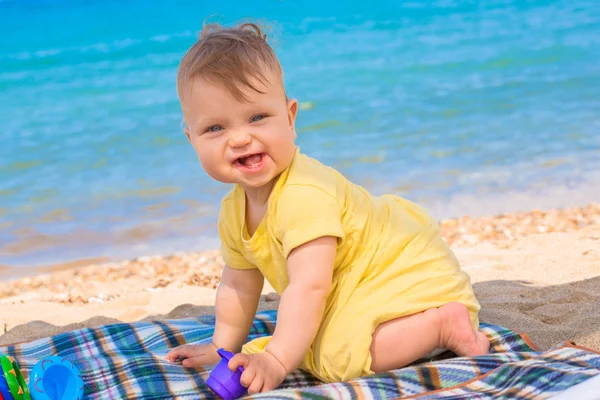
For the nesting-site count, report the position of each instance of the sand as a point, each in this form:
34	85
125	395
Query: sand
536	272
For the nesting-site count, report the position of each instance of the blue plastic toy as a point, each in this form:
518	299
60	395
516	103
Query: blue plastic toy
225	383
12	383
4	389
55	378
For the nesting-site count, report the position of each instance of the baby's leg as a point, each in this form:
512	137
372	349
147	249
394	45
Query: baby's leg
401	341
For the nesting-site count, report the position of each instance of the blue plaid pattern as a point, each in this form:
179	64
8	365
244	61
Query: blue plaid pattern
126	361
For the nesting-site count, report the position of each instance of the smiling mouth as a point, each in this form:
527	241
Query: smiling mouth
251	163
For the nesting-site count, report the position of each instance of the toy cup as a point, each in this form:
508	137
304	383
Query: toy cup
225	383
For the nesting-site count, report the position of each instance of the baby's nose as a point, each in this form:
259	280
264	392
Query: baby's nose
239	138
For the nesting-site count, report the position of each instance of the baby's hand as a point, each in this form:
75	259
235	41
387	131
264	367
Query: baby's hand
262	371
194	355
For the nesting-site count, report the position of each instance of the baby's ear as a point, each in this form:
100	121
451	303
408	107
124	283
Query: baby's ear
186	130
187	133
292	107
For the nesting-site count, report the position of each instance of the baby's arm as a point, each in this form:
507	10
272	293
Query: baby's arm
237	299
310	271
236	303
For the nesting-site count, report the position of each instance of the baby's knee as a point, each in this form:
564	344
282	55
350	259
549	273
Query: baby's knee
342	357
330	364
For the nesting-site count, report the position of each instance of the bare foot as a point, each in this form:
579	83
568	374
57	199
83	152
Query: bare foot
457	333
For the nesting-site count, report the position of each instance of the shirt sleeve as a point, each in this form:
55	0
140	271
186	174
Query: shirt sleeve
231	240
305	213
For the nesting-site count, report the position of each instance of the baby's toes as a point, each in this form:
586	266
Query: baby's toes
483	343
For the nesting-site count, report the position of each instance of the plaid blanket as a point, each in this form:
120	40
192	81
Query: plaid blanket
126	361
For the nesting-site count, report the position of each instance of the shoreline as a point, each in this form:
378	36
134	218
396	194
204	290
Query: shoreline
457	231
30	248
554	250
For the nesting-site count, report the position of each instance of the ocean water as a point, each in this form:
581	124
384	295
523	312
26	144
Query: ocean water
468	107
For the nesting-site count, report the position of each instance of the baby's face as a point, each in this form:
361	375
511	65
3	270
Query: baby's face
249	143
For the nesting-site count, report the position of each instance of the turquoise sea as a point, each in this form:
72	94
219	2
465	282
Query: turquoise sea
469	107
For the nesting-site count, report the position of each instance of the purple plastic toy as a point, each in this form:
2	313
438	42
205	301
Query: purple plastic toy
223	382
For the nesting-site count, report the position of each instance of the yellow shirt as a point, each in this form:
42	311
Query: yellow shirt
391	260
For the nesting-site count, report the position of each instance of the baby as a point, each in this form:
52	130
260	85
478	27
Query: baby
367	283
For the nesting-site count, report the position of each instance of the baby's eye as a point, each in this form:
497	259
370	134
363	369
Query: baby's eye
257	118
214	128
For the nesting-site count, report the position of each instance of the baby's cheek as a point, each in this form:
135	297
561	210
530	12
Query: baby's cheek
214	166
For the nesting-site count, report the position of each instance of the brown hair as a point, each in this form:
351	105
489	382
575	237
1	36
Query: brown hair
229	56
